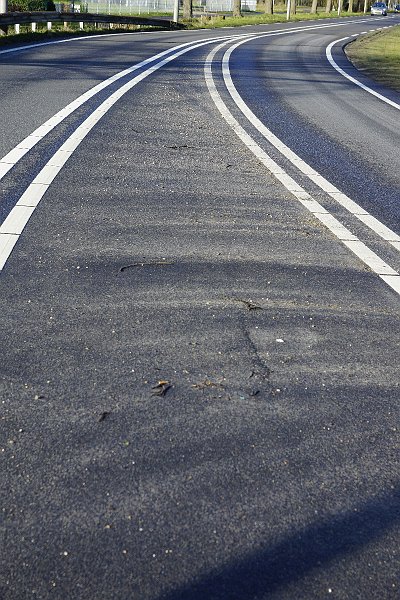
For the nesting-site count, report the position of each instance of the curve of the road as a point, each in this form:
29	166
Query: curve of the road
359	248
19	215
199	380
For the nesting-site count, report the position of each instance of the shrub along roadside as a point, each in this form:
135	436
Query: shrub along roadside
260	19
30	5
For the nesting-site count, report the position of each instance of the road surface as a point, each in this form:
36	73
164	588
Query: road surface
200	318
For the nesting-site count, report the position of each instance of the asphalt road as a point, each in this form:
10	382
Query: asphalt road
200	332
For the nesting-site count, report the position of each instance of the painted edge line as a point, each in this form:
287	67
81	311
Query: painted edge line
73	39
332	62
11	158
365	254
347	203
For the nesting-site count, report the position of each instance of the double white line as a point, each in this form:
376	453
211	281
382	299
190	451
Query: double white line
14	224
17	219
370	258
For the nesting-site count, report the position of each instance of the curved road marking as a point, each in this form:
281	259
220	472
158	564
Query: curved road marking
353	79
14	224
72	39
17	219
352	207
372	260
11	158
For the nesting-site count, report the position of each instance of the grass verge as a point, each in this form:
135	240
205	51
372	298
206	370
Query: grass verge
378	55
259	19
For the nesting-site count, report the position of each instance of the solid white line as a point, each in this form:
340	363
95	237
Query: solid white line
33	194
354	80
19	216
393	281
11	159
8	161
338	230
15	222
372	260
352	207
7	243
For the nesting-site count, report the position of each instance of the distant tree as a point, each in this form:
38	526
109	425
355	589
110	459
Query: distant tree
314	6
236	10
293	7
328	6
269	7
350	8
187	11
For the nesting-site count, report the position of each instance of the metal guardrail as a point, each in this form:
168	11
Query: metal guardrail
23	18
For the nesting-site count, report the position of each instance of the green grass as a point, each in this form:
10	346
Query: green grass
260	19
378	54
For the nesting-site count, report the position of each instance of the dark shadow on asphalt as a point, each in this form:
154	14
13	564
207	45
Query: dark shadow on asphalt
268	569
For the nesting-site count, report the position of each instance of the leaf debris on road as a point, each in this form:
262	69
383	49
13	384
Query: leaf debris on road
250	304
103	416
161	388
158	263
207	383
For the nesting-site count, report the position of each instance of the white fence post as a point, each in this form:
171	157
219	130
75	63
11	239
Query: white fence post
175	17
3	9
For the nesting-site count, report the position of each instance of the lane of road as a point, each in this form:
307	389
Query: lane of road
387	273
268	468
15	222
67	69
349	137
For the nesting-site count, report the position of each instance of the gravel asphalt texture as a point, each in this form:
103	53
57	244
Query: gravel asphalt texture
199	384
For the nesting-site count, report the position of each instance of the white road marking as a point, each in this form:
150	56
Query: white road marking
370	258
19	216
10	160
16	221
353	79
351	241
7	243
79	38
393	281
33	195
352	207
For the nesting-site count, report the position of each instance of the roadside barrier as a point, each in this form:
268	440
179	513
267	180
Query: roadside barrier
23	18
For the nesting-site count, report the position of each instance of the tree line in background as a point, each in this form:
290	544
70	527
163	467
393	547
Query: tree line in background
266	5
